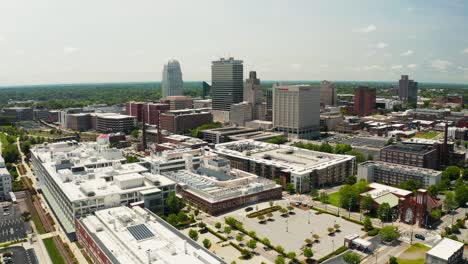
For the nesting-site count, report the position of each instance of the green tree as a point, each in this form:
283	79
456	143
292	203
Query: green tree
227	230
239	237
324	197
277	140
314	192
291	255
261	218
449	202
433	190
410	185
280	260
389	233
384	211
392	260
206	243
132	159
348	196
366	203
451	172
308	252
461	194
342	148
135	133
252	244
270	215
172	220
193	234
367	223
316	237
290	188
351	258
173	204
336	226
325	147
218	225
360	158
246	254
350	180
435	214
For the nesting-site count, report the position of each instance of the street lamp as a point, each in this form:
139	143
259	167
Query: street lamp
309	217
287	225
349	211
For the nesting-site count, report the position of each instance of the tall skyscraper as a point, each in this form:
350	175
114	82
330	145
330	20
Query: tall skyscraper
364	100
408	91
253	95
172	83
269	105
296	110
327	93
227	84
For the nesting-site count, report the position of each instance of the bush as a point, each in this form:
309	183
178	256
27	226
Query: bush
335	253
223	238
264	211
373	232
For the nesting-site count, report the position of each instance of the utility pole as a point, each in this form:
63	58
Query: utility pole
349	211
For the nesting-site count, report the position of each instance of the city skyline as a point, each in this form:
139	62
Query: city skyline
122	44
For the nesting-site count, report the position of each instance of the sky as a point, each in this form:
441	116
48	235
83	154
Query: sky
56	41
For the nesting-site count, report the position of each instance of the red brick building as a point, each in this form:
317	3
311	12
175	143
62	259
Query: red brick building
89	244
181	121
147	110
364	100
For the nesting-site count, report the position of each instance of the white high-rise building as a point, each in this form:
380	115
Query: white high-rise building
172	83
5	181
296	110
227	83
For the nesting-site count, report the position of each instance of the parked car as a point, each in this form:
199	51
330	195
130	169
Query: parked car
419	236
248	209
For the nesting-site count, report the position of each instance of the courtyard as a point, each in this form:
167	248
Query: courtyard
291	231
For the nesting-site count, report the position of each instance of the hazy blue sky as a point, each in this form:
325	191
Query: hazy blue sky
56	41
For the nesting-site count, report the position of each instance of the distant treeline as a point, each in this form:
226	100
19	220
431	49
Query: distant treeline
76	95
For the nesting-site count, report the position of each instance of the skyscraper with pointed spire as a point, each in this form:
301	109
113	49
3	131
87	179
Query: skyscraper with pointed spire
172	83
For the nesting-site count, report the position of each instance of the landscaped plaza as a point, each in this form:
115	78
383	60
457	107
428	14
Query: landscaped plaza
289	230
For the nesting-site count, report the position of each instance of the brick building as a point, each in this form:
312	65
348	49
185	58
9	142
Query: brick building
178	102
364	100
422	156
181	121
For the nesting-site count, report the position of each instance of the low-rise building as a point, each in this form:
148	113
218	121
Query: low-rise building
5	181
182	121
215	187
112	123
19	113
411	154
123	235
178	102
80	178
173	160
394	174
202	103
221	135
305	169
447	251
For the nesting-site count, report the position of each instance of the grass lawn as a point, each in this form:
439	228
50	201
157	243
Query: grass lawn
413	255
333	198
53	251
427	135
37	222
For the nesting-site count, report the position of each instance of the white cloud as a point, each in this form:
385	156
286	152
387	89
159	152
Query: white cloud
407	53
296	66
381	45
368	29
440	65
465	51
370	53
410	9
69	49
411	66
462	68
387	55
324	66
2	38
397	67
368	68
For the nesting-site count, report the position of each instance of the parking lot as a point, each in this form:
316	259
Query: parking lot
21	255
12	226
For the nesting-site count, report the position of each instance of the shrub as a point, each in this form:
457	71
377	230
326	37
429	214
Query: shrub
264	211
373	232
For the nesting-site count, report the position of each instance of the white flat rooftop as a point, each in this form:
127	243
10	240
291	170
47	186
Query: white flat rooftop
133	235
287	157
380	189
445	248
